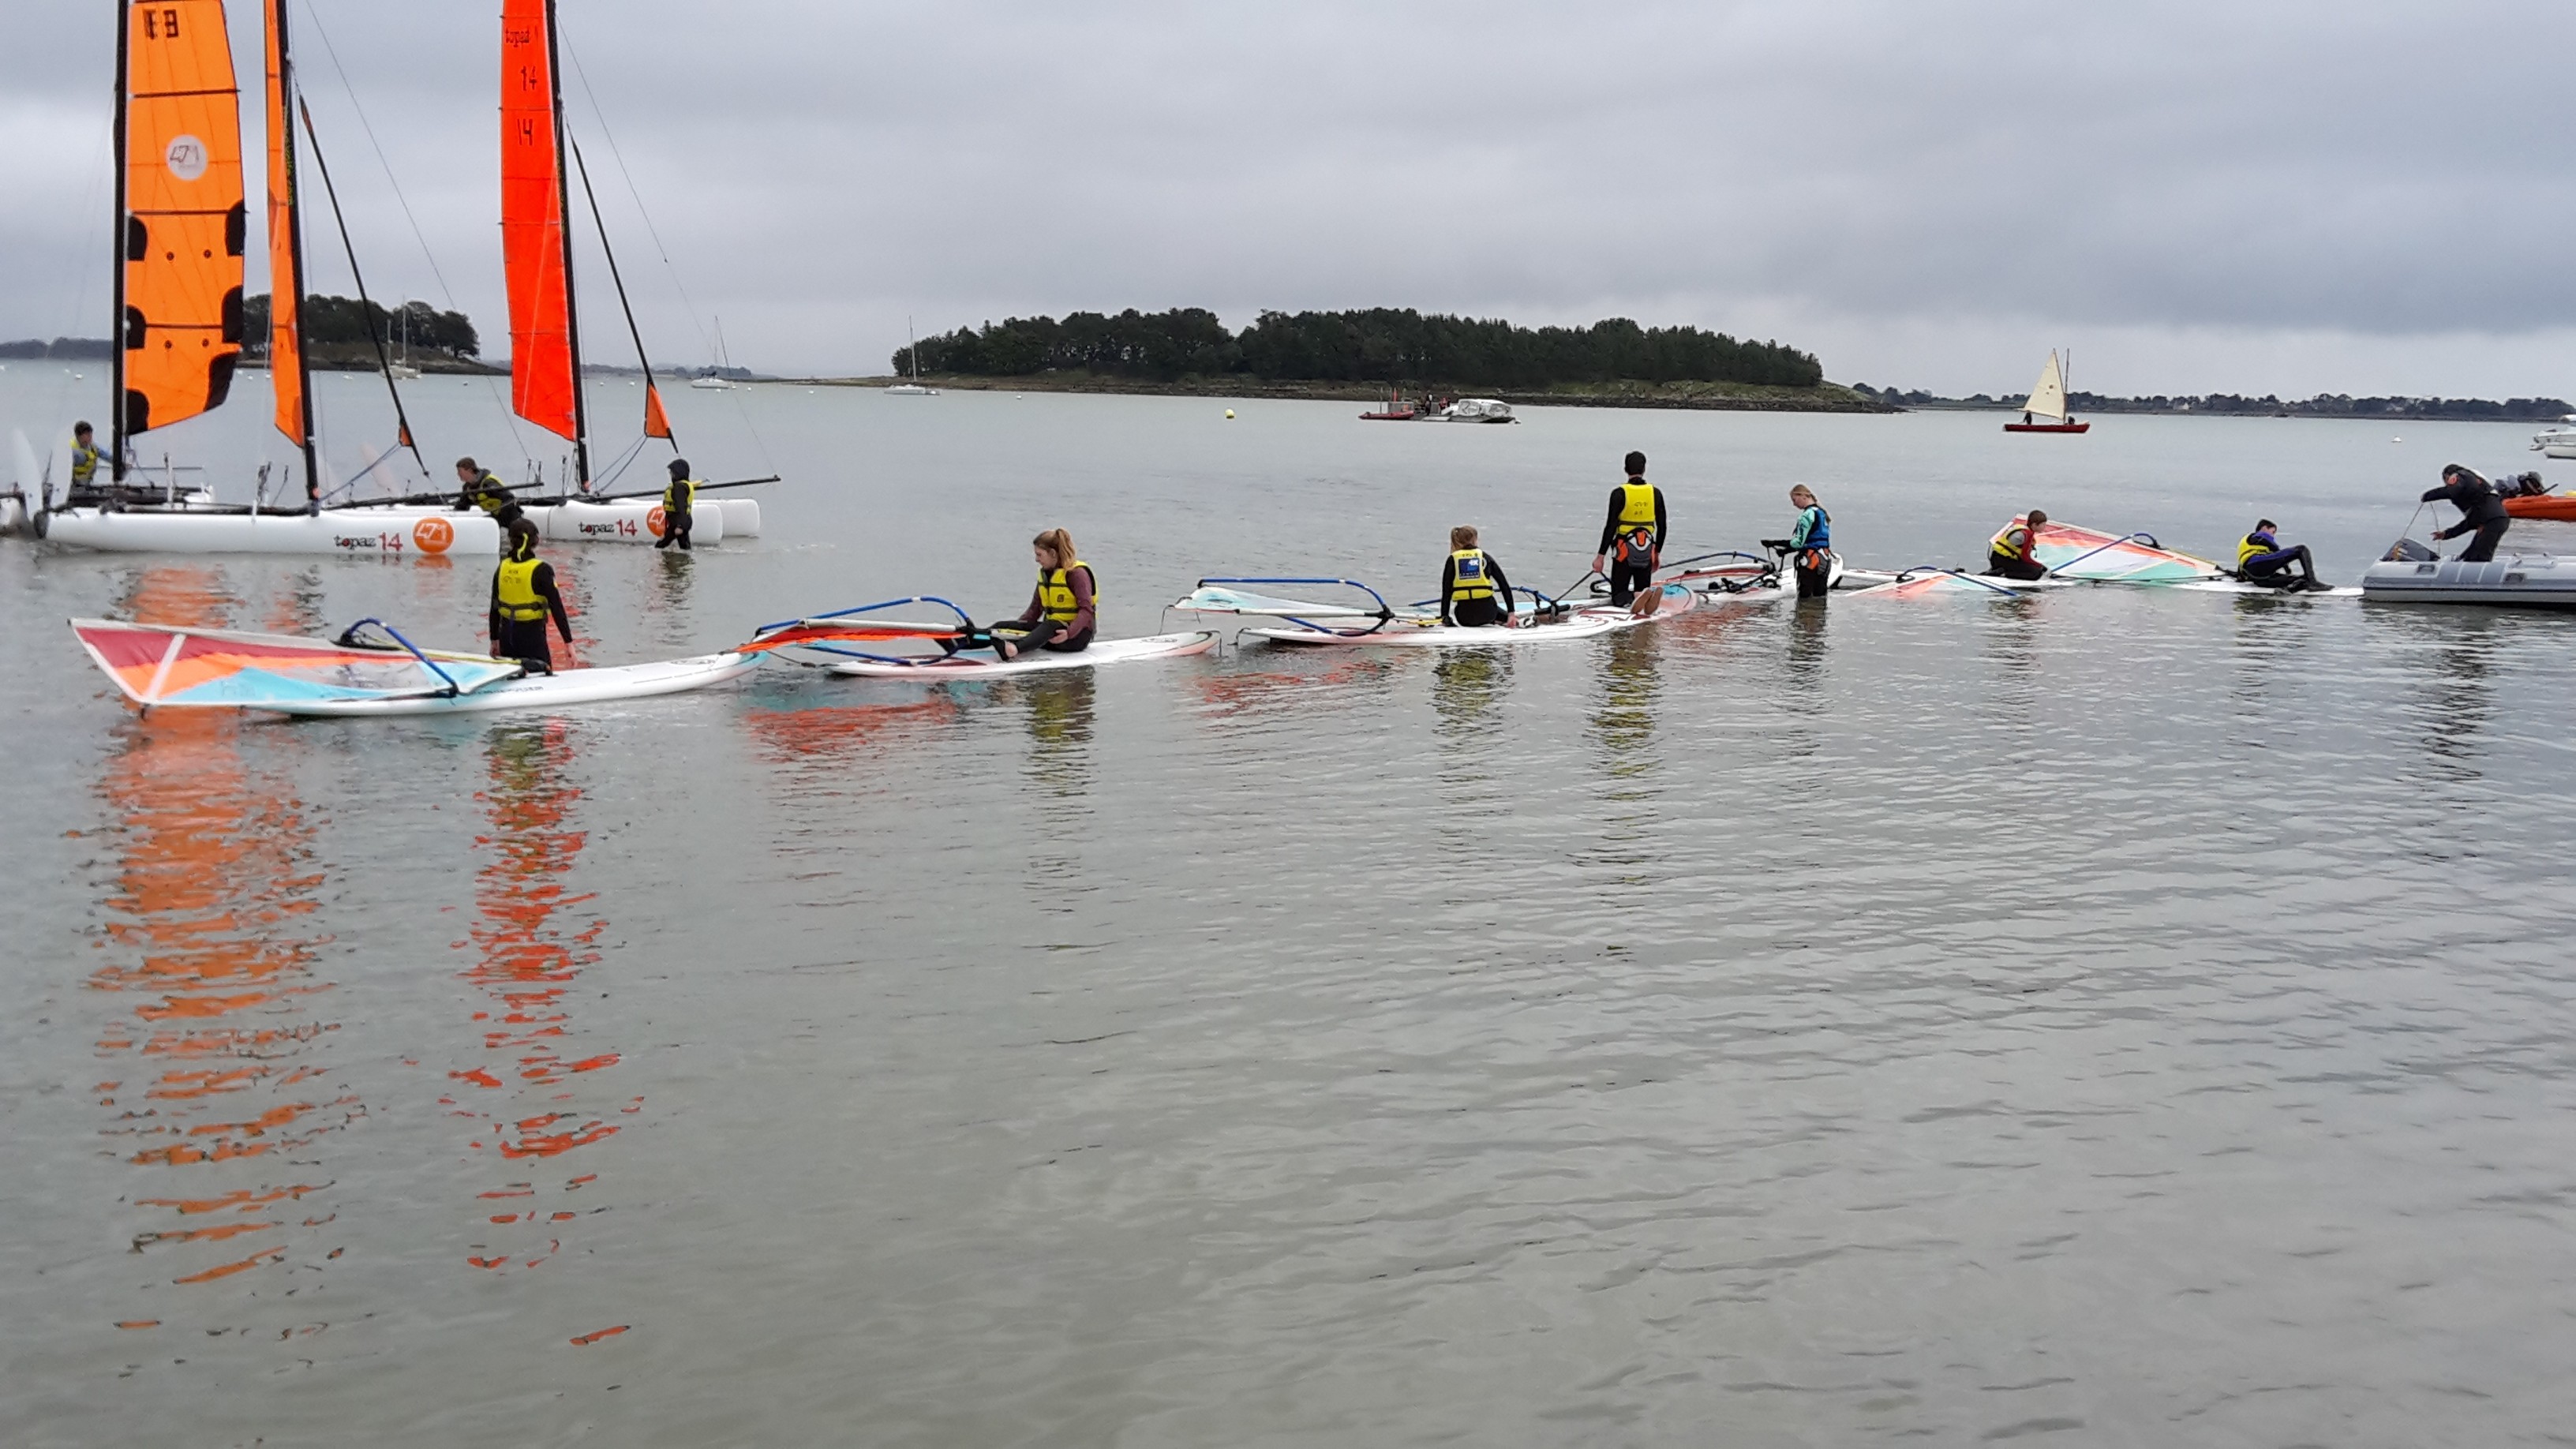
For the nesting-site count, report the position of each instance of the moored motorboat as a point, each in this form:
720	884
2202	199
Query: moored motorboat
1478	410
2558	442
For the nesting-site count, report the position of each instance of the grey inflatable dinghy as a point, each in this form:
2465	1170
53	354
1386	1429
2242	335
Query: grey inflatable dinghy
2414	574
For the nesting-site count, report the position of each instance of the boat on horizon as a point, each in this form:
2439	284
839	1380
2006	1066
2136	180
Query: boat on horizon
911	385
1478	410
1398	409
2048	400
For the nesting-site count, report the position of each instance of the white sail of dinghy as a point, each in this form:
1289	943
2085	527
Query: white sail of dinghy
2048	400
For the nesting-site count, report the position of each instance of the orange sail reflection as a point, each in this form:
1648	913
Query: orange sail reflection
527	962
210	1060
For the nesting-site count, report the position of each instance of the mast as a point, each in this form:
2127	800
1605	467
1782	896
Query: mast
655	423
282	124
563	209
357	278
120	245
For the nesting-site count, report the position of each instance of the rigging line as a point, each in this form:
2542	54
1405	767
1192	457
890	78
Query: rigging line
366	309
610	252
446	293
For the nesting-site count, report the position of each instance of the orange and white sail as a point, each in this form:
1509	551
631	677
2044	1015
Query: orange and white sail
179	273
545	368
286	362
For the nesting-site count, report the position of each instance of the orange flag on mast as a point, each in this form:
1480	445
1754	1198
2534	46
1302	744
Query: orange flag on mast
657	423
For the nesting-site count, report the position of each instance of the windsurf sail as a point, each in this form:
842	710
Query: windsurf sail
2069	552
181	211
159	665
1223	596
857	625
1919	583
290	377
536	246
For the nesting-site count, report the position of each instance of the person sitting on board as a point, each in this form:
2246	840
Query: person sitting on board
477	488
1062	612
2014	553
679	504
1632	537
85	458
2481	512
2261	559
1811	543
523	596
1473	591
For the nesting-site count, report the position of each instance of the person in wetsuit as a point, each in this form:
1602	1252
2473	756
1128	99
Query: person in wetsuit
679	502
85	460
2481	512
477	488
2261	559
1473	591
1062	613
1632	537
1811	543
2014	553
523	597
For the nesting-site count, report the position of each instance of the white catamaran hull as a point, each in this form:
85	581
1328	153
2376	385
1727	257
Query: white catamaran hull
390	533
546	691
741	516
638	521
1107	651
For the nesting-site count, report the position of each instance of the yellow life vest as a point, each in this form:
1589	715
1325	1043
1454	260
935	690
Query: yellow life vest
1472	576
681	496
85	458
2251	545
517	586
2026	550
1636	505
1055	591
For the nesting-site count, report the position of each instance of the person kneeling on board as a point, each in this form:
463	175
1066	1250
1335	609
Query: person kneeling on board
2014	553
477	488
1062	612
2481	512
679	505
1632	537
523	596
2261	559
1473	591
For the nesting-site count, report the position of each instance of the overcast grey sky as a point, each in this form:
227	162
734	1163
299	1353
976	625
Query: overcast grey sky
2285	197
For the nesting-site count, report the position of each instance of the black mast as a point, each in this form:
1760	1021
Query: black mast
610	252
123	249
295	252
366	308
563	214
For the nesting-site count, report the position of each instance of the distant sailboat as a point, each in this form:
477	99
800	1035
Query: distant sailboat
401	366
912	354
714	379
2048	400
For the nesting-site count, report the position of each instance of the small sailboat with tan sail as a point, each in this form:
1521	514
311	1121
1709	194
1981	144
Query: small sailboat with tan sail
2048	400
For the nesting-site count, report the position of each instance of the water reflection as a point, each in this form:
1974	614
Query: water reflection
538	1091
1467	688
1061	709
212	1060
1807	643
1337	679
668	601
1623	719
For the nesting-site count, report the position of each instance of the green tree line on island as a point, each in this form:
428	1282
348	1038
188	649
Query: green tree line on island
337	321
1381	344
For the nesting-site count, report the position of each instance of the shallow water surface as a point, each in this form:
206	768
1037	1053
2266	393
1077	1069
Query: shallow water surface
2118	1016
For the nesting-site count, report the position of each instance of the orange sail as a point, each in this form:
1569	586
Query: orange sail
179	284
657	423
285	245
544	371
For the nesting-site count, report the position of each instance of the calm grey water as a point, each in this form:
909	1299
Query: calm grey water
2112	1018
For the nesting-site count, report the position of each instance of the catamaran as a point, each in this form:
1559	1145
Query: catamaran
182	232
2048	400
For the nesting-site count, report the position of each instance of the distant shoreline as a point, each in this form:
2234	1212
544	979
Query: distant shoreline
1696	396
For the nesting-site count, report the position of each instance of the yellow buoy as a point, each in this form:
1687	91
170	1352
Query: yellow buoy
1229	412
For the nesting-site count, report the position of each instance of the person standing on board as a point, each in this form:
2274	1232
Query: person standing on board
1632	538
679	502
477	488
2481	512
1062	613
2014	553
1473	591
1811	543
523	596
2260	559
85	457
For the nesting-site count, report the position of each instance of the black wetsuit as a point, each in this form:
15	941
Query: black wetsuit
1627	580
1475	613
2482	514
2275	567
489	494
526	638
